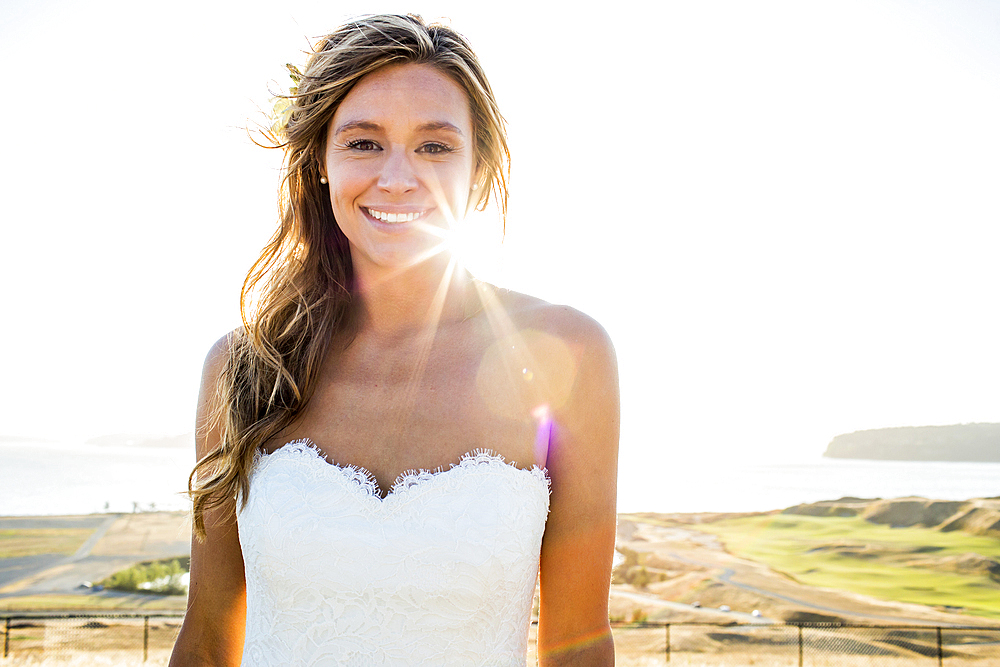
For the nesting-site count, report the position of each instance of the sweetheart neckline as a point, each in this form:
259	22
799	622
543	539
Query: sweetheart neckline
407	479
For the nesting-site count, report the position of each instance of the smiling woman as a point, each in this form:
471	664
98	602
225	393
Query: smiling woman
402	448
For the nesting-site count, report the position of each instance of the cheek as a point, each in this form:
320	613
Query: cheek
347	182
459	180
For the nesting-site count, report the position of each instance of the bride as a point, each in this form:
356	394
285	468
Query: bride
390	451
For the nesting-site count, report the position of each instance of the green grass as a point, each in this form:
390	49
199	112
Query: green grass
786	543
37	541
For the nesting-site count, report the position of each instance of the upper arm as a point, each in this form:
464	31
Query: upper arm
578	546
213	628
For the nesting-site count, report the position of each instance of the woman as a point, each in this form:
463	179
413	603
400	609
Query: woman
368	356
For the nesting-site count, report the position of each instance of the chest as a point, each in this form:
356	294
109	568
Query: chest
390	409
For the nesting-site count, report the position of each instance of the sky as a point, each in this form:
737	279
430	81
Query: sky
784	213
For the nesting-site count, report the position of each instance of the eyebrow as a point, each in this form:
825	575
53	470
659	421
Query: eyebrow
375	127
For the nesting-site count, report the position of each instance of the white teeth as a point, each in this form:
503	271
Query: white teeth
393	217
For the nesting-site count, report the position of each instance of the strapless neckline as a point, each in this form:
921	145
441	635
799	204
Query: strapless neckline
307	451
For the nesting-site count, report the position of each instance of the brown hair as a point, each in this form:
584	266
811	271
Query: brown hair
297	295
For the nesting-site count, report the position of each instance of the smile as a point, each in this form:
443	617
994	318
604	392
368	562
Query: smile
394	217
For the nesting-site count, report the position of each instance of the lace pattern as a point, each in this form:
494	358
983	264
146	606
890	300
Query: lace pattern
439	572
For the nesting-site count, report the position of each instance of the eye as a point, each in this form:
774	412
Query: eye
363	145
435	148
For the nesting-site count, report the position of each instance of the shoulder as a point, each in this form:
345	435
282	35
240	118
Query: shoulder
550	360
220	352
209	396
559	320
560	326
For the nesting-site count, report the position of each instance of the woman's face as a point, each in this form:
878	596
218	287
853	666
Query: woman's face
400	160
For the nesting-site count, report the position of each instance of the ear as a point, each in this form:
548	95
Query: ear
318	154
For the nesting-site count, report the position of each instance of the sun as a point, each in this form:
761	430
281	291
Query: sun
475	242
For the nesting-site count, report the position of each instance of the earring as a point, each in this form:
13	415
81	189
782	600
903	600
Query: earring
322	179
475	186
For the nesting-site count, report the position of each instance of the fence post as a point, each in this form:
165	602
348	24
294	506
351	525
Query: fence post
6	638
800	645
668	642
940	651
145	639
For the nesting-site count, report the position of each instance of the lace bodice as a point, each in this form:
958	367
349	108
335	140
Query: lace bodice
439	572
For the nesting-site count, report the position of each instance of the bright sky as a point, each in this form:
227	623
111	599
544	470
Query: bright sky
785	213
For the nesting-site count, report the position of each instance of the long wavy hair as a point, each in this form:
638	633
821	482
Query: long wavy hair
296	298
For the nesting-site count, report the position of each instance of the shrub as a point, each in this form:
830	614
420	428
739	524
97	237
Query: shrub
165	577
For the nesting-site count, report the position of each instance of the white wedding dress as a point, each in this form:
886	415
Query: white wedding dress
439	572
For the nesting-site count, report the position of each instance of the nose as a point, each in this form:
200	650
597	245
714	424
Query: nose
397	175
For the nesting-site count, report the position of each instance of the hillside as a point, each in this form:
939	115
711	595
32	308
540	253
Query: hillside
979	516
959	442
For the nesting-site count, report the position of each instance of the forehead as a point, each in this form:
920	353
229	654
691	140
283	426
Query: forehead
401	94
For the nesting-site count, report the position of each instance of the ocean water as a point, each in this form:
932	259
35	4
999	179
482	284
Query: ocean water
74	478
77	478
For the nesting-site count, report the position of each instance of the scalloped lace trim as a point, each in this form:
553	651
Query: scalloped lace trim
408	479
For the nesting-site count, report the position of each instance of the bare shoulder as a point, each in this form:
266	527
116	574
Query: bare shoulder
561	360
576	356
569	324
215	363
218	356
219	353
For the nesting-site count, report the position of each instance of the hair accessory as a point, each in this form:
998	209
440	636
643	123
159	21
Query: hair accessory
322	179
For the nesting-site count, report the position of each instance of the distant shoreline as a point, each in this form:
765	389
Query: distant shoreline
63	479
837	505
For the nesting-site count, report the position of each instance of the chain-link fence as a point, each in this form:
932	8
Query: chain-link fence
120	640
111	640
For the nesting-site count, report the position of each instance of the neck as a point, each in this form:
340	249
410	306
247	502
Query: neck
416	299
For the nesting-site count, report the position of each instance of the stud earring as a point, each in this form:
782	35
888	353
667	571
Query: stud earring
322	179
475	186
